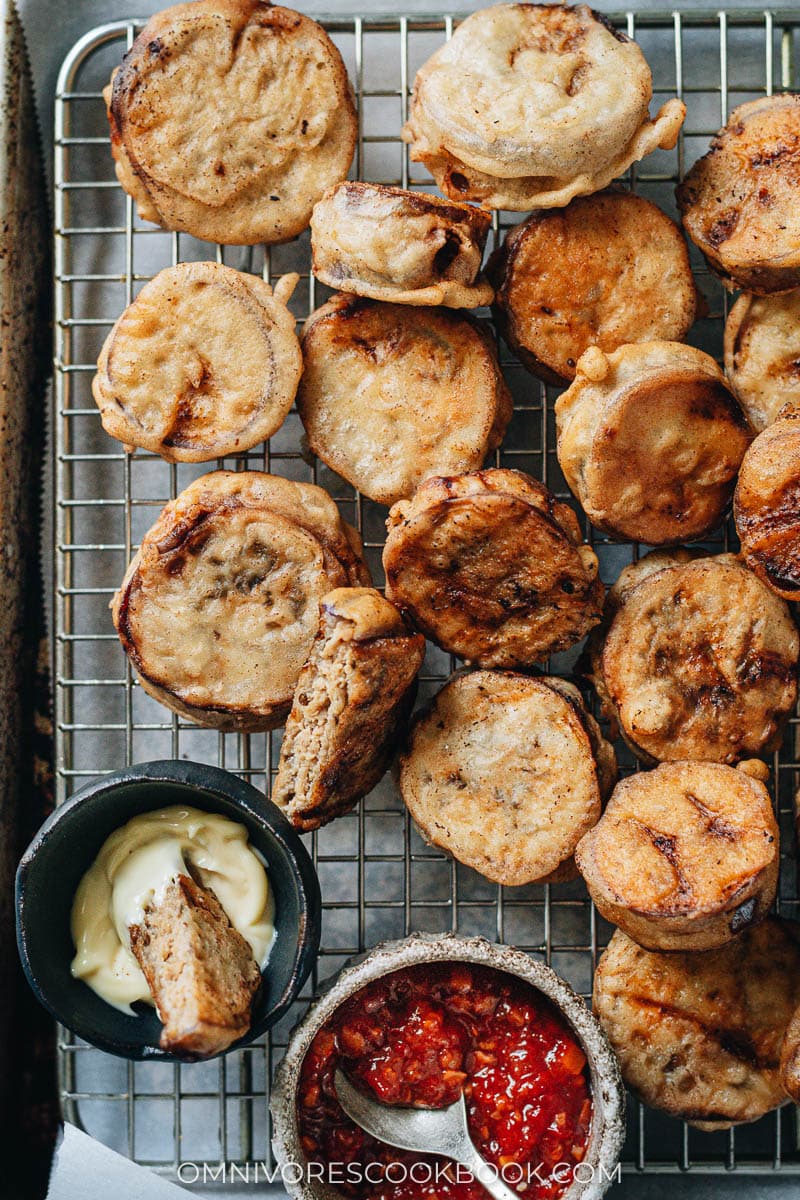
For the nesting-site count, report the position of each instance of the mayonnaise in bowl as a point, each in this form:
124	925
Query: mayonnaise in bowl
135	865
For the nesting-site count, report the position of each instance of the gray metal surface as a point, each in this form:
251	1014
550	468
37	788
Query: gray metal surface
378	878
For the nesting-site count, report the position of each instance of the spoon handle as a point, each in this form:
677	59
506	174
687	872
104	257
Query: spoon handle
487	1175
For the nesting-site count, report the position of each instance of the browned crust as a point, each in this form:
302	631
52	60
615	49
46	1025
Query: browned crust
767	505
699	1035
711	715
573	272
644	847
422	788
456	603
133	175
378	658
171	540
739	198
199	969
476	219
790	1059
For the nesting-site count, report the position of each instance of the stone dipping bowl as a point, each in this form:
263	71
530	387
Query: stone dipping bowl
608	1096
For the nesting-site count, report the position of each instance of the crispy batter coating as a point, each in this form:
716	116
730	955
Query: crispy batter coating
491	567
558	107
739	202
387	243
204	363
697	659
199	969
606	270
350	707
391	394
700	1035
767	504
762	354
790	1059
512	807
685	856
229	119
650	438
220	606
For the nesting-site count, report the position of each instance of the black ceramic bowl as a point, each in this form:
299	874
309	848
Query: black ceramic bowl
67	844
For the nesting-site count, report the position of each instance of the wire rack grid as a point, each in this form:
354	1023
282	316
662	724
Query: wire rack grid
378	878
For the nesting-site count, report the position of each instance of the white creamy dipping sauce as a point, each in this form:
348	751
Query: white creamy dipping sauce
132	871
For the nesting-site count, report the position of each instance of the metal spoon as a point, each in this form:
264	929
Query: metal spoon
427	1130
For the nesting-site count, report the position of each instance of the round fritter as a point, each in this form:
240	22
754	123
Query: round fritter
685	856
229	119
698	660
350	706
739	202
790	1059
511	806
491	567
204	363
650	438
699	1035
558	107
219	607
762	354
390	244
605	270
392	394
766	504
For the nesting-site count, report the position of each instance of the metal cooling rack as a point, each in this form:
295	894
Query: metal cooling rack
378	878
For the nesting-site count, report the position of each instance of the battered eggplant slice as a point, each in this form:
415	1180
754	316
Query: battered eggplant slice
650	438
491	567
229	119
685	856
739	202
699	1035
506	772
350	706
606	270
697	659
220	605
391	244
767	504
762	354
199	969
204	363
790	1059
558	107
391	395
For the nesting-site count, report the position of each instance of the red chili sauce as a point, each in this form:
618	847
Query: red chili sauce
419	1037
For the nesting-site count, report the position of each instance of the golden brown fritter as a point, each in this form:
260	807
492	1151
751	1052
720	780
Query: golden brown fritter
697	659
229	119
762	354
650	439
606	270
200	970
790	1059
350	706
219	607
739	202
491	567
391	394
767	504
204	363
700	1035
511	806
558	107
387	243
685	856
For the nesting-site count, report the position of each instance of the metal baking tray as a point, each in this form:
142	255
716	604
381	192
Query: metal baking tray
378	877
